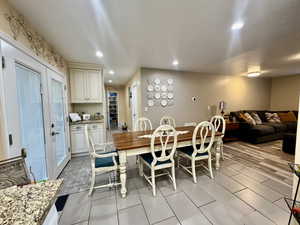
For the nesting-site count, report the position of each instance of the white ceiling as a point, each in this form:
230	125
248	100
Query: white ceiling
151	33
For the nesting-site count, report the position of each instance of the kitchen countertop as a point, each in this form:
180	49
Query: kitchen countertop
28	205
86	122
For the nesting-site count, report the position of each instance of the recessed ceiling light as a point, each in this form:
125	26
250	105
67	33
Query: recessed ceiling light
175	62
111	72
99	54
253	74
237	26
109	81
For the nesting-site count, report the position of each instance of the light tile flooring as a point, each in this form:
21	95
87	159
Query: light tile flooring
239	194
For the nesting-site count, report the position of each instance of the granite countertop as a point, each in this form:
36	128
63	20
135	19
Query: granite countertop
28	205
86	122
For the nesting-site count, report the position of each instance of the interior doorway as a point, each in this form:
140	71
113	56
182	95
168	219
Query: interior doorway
113	109
134	106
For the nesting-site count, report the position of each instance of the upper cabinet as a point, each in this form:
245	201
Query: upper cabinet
86	86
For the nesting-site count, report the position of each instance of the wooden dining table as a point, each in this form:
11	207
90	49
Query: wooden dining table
133	144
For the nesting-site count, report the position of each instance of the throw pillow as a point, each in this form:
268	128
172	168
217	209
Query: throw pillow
272	117
287	117
248	118
256	117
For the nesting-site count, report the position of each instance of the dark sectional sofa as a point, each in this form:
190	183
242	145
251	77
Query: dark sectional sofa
266	131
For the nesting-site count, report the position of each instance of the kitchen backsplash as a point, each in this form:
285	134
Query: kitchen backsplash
88	108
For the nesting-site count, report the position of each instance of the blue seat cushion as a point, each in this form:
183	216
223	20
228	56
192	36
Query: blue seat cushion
149	159
105	162
189	151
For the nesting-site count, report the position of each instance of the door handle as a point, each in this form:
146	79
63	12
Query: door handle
54	133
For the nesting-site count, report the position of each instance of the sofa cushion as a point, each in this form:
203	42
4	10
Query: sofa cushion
272	117
279	127
287	117
256	117
261	129
248	118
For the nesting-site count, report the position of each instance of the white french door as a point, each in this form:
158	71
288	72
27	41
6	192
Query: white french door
58	120
35	113
25	103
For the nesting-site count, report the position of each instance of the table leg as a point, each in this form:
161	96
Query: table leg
123	161
218	154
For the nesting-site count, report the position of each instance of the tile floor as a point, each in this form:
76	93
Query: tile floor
239	194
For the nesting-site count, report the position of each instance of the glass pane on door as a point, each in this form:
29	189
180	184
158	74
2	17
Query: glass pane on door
58	129
31	117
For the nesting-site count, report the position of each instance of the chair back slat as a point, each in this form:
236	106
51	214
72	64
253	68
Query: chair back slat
167	136
201	132
143	124
219	124
167	120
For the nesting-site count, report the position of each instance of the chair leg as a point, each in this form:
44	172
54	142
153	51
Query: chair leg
222	153
141	168
210	168
194	171
178	160
153	182
173	177
92	182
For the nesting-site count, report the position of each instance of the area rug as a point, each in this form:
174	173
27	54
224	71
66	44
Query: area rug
266	158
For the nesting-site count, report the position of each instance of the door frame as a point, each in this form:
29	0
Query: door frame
53	75
134	86
118	94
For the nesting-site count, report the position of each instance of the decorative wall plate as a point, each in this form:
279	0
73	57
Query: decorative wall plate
170	95
170	81
170	88
150	88
164	95
157	95
157	88
163	88
164	103
150	103
150	95
157	81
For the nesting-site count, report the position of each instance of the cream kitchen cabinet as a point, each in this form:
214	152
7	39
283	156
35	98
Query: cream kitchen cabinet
79	144
86	86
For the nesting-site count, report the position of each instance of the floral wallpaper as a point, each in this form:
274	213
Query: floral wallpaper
20	29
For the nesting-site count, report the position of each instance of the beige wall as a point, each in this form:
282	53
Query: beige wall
238	92
5	9
121	102
285	93
136	79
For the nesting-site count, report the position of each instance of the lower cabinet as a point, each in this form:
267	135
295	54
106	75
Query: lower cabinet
79	144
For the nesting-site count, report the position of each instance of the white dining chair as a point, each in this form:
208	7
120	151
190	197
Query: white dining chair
102	161
198	152
161	156
220	126
167	120
143	124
